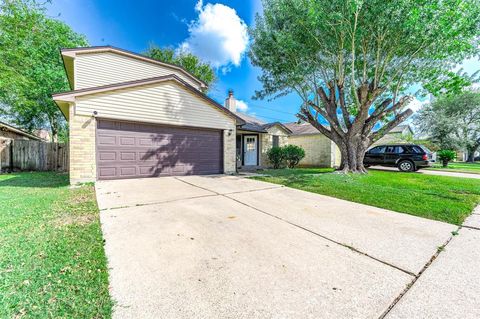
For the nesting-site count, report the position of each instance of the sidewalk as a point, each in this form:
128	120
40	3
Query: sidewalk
429	172
450	286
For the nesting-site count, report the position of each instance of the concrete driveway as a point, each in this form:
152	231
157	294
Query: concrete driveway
230	247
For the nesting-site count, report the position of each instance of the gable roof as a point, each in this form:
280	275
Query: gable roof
71	95
71	52
254	124
251	123
303	128
400	129
269	125
5	126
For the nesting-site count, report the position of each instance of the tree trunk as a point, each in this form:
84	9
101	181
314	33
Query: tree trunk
471	157
53	130
471	153
353	152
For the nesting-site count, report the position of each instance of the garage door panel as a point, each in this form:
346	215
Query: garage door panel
127	150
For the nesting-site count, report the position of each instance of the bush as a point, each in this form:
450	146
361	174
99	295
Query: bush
293	155
446	156
276	156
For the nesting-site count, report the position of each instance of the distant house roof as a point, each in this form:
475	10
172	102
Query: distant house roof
8	127
302	128
401	129
305	128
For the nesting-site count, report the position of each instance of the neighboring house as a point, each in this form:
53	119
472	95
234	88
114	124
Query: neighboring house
10	132
44	134
132	116
319	150
462	155
398	134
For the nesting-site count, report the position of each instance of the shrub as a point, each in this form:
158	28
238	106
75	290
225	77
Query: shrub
446	156
293	155
276	156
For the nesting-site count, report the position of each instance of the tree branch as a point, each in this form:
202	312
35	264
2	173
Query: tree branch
399	118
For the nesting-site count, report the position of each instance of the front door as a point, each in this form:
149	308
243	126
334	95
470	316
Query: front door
250	150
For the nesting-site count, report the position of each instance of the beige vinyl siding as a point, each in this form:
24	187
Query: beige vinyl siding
102	68
163	103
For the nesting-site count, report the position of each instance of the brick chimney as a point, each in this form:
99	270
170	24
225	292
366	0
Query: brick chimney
230	102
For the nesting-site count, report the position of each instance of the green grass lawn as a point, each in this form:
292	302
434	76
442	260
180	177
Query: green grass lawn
473	168
52	262
448	199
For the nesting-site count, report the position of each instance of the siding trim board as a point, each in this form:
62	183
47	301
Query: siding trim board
71	96
72	52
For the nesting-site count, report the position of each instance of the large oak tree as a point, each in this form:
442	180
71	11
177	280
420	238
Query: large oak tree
31	67
352	61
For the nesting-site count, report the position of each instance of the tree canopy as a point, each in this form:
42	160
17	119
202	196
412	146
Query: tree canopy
31	67
453	121
352	61
186	60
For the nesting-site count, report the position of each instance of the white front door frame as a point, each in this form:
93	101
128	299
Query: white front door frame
250	150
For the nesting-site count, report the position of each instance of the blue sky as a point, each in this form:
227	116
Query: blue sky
214	30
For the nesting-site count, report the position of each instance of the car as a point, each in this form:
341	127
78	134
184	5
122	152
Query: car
406	157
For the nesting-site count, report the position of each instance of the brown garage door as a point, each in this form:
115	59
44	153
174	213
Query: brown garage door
127	150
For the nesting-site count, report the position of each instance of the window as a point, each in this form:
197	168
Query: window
399	149
390	149
377	150
275	141
417	149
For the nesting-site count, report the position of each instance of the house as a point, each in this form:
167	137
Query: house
320	151
10	132
399	134
132	116
254	137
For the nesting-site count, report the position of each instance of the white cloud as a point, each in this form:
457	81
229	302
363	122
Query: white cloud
242	106
218	36
416	104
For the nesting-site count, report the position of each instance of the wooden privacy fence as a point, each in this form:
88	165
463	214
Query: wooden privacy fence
28	155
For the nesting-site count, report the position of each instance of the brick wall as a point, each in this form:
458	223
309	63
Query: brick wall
266	143
229	151
82	148
318	149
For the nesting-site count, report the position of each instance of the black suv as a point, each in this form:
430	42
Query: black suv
407	157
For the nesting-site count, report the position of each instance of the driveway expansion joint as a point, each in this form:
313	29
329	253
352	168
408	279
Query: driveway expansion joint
238	192
205	189
254	190
324	237
471	227
157	203
414	280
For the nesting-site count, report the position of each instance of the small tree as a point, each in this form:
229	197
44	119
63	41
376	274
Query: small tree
276	156
186	60
293	155
453	121
446	156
